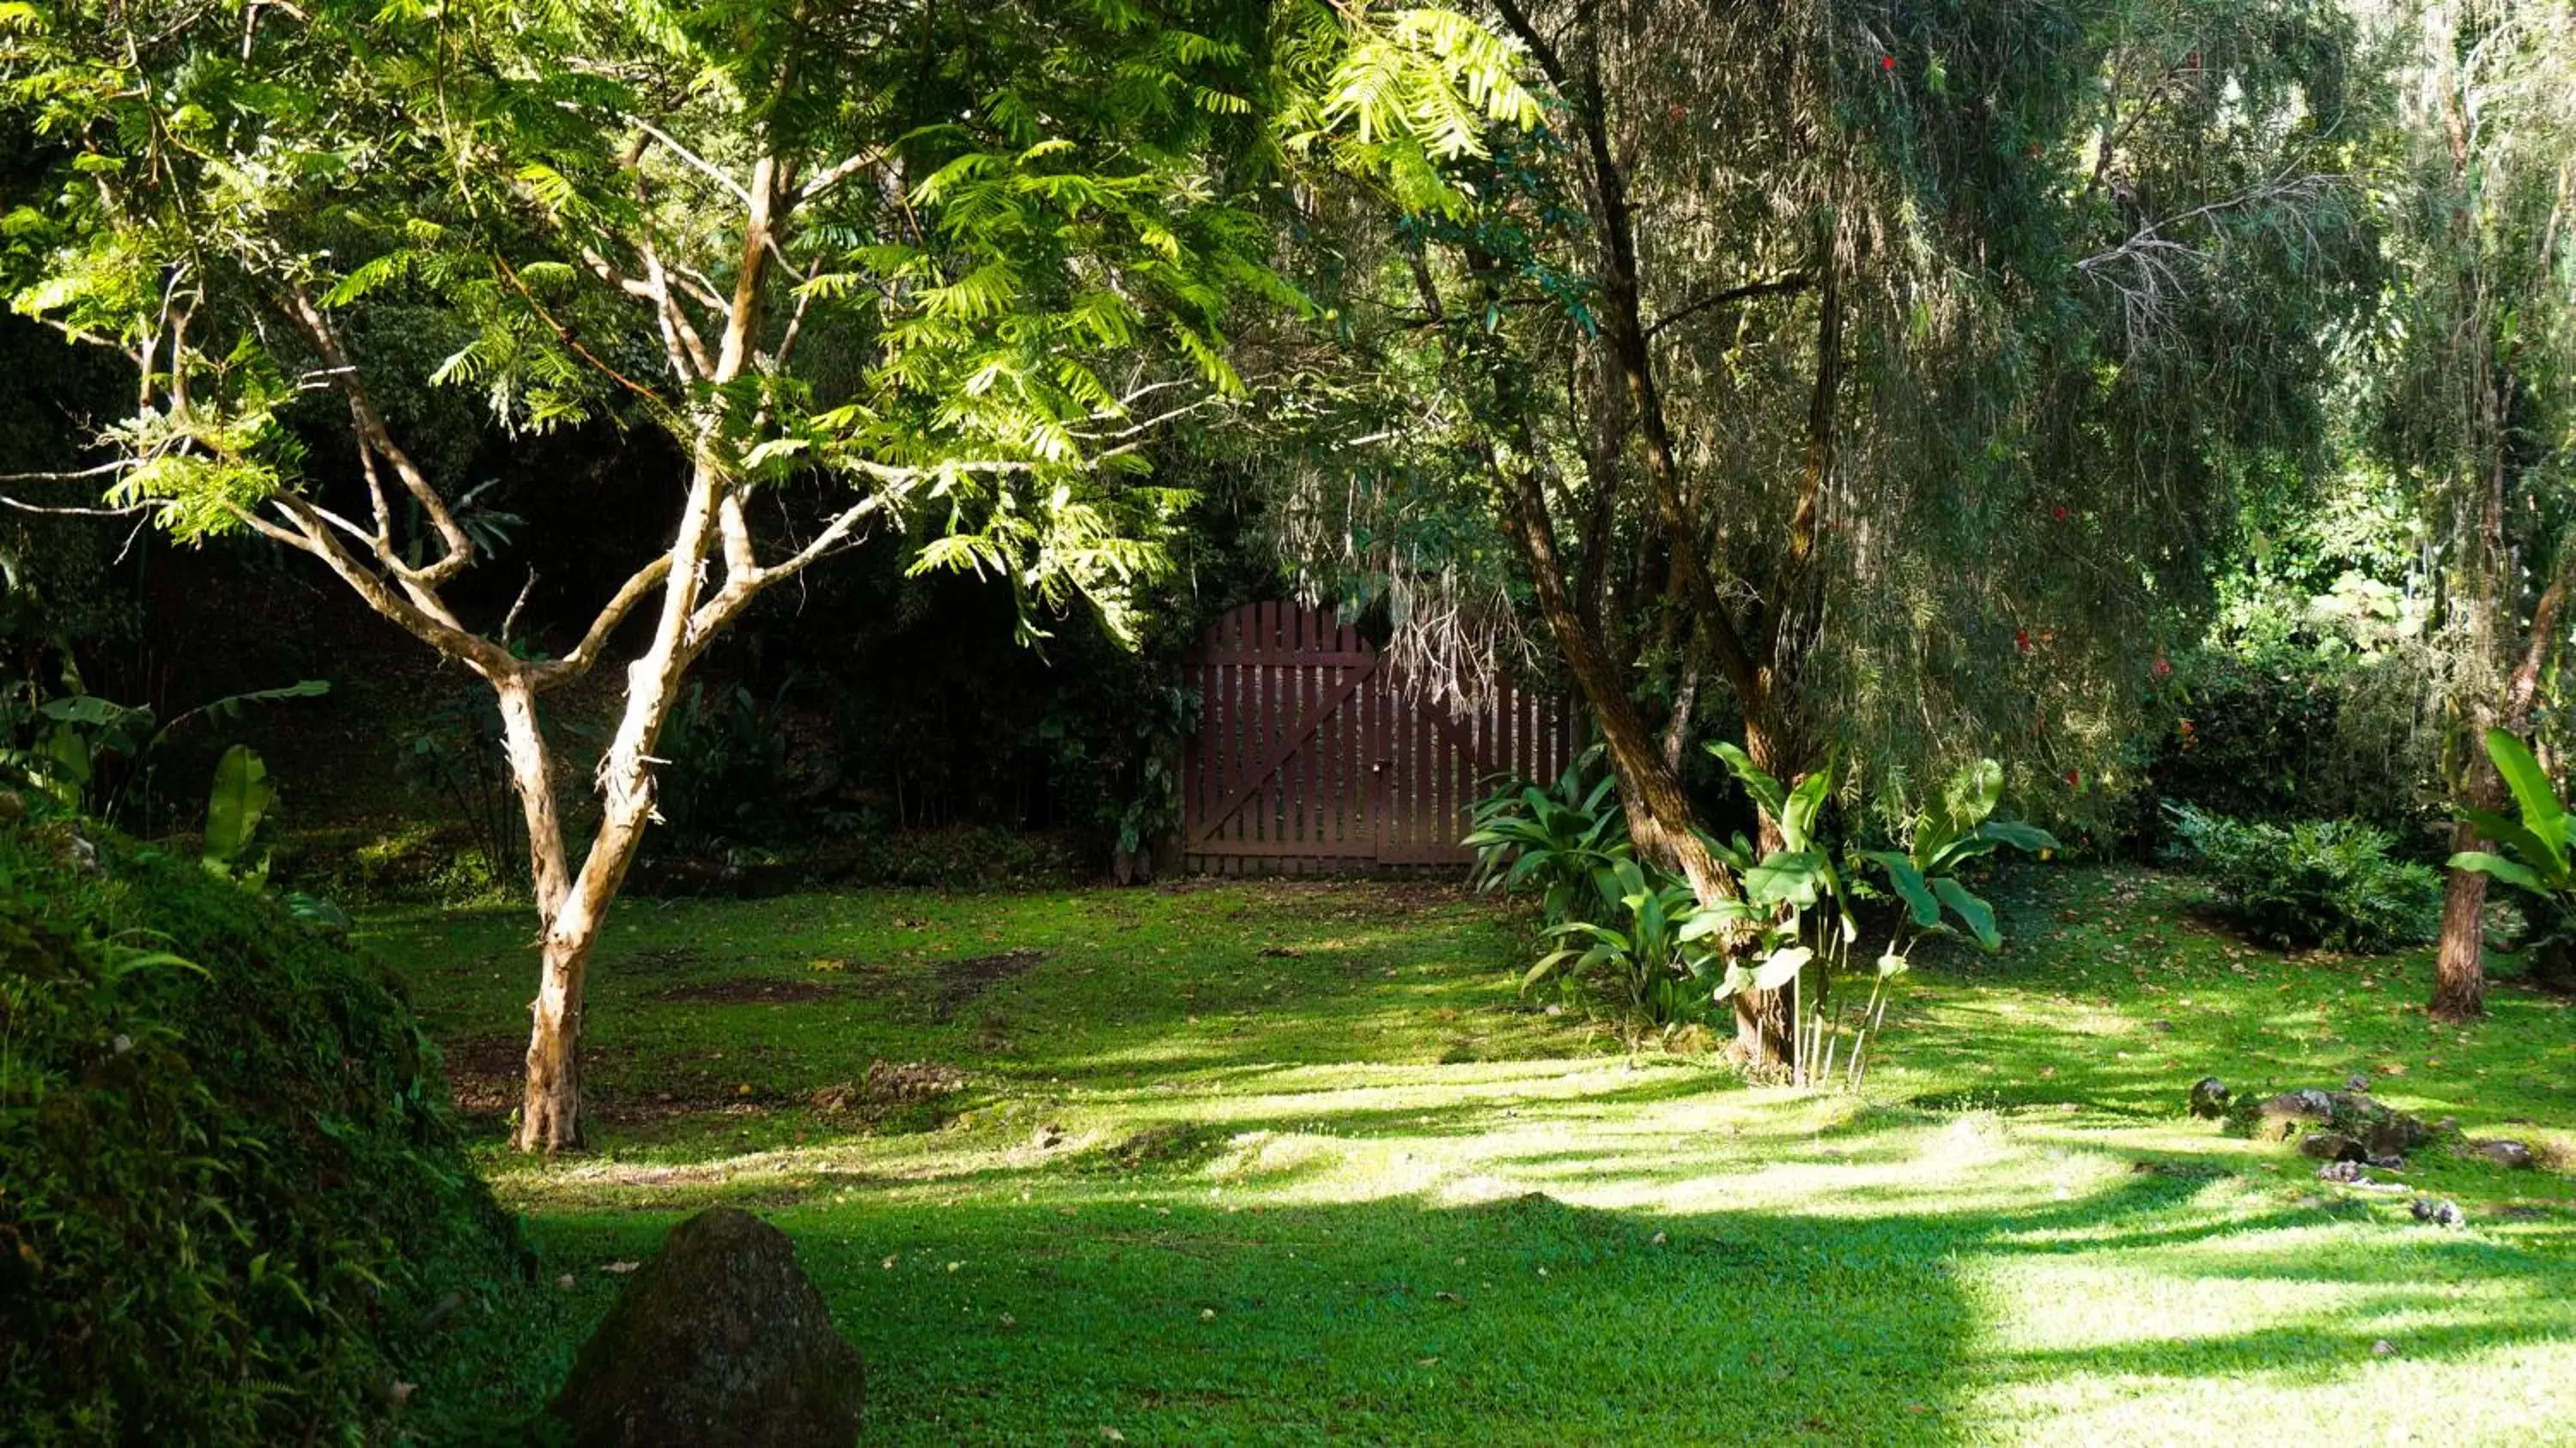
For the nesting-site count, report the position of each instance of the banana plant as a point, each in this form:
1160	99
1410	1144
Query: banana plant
1942	839
2538	858
69	737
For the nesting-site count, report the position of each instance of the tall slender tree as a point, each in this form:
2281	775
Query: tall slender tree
2478	407
1868	376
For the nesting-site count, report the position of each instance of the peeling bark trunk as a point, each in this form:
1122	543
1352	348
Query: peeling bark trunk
550	1107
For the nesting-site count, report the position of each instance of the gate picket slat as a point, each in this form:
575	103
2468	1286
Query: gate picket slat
1314	756
1429	752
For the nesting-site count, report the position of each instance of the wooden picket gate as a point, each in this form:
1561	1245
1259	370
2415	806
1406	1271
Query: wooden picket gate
1314	757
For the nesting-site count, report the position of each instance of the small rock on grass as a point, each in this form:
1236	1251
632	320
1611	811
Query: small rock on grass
2443	1213
2209	1097
2505	1153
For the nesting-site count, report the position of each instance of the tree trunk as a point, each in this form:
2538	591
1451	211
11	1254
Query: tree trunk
550	1108
2459	976
1766	1028
550	1103
2459	971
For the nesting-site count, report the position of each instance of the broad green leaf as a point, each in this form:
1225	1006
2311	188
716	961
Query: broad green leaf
1708	920
1757	781
1798	819
1547	966
1910	884
1787	878
2482	863
241	796
70	749
2019	836
1781	967
2509	833
1978	915
2542	814
1972	794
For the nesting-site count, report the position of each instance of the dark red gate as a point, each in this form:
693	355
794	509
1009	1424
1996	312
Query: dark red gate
1314	757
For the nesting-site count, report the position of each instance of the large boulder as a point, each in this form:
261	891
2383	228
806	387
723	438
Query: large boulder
719	1341
2284	1116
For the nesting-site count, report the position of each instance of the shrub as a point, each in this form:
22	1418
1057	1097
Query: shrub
229	1183
1550	842
2317	882
2280	733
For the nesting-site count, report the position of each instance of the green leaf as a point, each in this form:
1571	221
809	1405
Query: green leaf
2542	814
1708	920
2481	863
241	796
1972	794
2532	850
1978	915
1787	878
2020	836
1547	967
1781	967
1910	884
1757	781
1798	819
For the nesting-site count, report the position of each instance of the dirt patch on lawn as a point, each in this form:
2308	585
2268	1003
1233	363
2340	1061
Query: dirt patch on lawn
954	983
660	960
484	1072
889	1085
486	1076
752	992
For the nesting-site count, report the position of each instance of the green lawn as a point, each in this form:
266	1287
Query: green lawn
1292	1162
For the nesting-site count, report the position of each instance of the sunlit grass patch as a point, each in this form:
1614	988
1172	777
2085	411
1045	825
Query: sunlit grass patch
1251	1163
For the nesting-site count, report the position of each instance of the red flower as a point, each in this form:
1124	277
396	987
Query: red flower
2075	778
2058	512
2021	639
1887	62
2161	669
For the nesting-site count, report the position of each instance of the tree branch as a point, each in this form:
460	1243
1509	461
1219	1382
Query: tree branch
372	433
1775	287
586	653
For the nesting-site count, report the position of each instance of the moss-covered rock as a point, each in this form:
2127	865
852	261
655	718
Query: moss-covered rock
230	1188
719	1341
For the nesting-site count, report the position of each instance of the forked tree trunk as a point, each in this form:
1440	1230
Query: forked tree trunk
573	908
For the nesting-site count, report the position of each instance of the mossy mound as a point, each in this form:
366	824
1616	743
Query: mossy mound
233	1203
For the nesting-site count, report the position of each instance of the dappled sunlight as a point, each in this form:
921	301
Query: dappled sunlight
1366	1174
